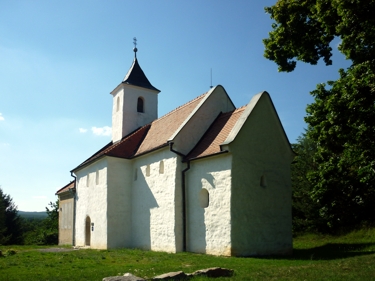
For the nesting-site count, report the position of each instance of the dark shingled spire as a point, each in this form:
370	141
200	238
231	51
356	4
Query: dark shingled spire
136	77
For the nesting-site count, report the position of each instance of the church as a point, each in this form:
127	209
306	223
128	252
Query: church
206	177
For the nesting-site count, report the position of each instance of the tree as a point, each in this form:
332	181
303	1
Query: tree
341	119
305	210
51	224
304	30
12	229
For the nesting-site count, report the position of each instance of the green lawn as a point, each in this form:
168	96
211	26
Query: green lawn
349	257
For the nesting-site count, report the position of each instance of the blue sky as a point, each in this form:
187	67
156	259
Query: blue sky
59	60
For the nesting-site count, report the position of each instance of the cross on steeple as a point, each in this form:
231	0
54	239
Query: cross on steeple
135	46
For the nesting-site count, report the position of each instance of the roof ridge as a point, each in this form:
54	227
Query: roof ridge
234	111
179	107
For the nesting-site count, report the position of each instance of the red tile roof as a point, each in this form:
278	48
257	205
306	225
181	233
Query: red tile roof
66	188
148	137
125	148
215	135
164	127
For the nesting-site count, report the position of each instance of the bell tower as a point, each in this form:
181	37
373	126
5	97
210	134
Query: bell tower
135	101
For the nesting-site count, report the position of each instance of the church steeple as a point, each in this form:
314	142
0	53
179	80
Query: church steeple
135	101
135	75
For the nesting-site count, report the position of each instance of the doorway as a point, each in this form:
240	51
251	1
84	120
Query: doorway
88	231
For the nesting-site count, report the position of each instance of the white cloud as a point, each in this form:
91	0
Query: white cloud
1	117
103	131
82	130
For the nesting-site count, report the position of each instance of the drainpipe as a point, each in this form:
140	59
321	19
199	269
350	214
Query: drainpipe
74	191
183	187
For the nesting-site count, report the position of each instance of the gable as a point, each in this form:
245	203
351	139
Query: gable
195	126
260	122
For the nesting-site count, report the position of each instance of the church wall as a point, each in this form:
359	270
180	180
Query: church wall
66	204
91	202
261	192
125	118
209	228
153	202
119	202
218	101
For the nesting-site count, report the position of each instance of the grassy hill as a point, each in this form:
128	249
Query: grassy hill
32	215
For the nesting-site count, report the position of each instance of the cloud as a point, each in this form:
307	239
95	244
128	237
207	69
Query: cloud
82	130
1	117
103	131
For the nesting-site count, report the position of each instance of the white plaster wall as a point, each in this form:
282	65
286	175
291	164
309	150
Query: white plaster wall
156	224
209	229
218	101
127	119
91	201
119	202
261	215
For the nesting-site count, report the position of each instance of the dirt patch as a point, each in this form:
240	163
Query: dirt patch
56	250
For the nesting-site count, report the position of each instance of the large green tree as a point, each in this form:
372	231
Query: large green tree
342	118
11	232
305	210
304	29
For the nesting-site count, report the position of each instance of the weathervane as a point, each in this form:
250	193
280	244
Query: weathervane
135	46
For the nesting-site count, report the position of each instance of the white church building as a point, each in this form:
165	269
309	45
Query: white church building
206	177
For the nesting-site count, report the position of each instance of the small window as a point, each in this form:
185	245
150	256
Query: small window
161	167
263	182
148	171
118	104
97	177
204	198
140	105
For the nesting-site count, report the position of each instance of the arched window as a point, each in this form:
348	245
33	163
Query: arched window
140	105
118	104
263	181
161	167
204	198
147	170
97	177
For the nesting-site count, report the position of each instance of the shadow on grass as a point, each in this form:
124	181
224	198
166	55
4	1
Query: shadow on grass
331	251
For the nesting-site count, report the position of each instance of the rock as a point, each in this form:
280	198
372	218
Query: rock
214	272
126	277
179	275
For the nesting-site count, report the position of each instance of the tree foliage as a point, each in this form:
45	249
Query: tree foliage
303	30
10	222
341	119
305	210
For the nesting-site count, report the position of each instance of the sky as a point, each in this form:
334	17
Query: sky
59	60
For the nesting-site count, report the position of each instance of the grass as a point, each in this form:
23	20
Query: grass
316	257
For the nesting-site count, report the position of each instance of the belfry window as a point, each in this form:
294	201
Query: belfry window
140	105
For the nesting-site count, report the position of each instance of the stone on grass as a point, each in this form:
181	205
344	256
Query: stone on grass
126	277
214	272
179	275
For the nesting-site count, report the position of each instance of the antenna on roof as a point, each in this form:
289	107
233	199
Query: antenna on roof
211	79
135	46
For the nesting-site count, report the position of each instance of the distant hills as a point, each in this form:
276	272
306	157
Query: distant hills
32	215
